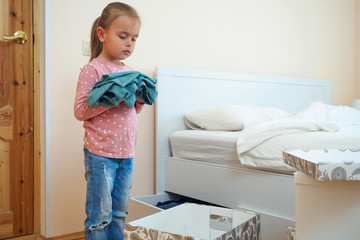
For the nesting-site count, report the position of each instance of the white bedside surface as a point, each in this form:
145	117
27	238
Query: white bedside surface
328	210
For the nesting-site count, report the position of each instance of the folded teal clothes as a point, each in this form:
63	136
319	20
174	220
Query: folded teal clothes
123	86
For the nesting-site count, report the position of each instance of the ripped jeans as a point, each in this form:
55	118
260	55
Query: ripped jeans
107	198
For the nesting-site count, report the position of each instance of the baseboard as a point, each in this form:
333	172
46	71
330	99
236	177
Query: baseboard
28	237
40	237
72	236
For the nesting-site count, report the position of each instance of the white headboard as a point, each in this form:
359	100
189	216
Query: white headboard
185	90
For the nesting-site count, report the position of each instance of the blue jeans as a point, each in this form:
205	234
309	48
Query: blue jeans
107	199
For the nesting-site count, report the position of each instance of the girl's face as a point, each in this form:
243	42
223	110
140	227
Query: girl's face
119	39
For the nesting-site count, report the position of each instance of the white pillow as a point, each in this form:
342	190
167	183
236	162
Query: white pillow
232	117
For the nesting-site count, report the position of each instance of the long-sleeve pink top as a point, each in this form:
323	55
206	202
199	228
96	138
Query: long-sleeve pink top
109	132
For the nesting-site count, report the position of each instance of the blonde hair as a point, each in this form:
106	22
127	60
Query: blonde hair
108	15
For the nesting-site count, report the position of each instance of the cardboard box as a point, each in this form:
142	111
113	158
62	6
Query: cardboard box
195	221
327	164
138	209
290	233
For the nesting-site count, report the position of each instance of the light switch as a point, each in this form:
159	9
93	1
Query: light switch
86	48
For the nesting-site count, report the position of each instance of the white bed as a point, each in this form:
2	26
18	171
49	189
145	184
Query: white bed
272	194
219	147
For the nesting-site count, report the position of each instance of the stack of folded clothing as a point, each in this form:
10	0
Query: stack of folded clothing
123	86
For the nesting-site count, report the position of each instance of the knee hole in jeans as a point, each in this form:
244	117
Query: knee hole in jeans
99	226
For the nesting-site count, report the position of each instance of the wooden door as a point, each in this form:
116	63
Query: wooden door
16	121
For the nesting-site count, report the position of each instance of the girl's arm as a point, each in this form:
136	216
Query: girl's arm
87	79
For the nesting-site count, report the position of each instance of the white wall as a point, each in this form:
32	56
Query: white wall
298	38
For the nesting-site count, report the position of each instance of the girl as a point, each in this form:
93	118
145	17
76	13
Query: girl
110	133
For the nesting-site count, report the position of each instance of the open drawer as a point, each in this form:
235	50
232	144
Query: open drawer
140	207
144	206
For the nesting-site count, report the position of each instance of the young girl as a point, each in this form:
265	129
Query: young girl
110	133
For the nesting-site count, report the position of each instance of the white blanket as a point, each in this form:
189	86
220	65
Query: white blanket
317	117
255	135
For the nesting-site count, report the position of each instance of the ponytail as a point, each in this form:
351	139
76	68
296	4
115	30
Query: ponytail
95	44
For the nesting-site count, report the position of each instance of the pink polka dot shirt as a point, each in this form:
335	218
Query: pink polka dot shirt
109	132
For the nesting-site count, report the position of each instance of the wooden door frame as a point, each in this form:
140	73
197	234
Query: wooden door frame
39	110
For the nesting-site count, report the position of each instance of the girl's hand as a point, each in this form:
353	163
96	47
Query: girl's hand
139	100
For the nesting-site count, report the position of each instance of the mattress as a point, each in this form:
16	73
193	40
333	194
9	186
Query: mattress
209	146
220	147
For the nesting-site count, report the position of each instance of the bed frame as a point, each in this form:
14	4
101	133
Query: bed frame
270	194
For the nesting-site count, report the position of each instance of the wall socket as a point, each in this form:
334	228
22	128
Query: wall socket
86	48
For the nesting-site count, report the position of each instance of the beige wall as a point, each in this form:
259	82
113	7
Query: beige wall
300	38
357	49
